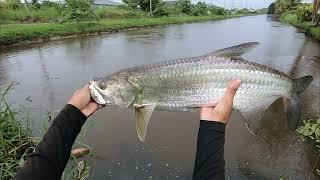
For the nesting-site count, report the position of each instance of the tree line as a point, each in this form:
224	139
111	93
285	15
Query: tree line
303	11
84	10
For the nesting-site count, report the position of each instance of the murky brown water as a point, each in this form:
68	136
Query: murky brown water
49	73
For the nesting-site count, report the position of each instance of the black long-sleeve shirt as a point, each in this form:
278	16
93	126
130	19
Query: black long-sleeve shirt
52	154
209	163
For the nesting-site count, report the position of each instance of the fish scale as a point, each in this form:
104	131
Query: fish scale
185	84
174	84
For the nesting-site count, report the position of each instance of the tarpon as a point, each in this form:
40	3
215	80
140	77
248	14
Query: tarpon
186	84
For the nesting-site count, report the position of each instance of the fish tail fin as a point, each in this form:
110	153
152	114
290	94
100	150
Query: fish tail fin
293	105
300	84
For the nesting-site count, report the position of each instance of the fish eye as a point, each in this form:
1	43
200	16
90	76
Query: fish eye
103	85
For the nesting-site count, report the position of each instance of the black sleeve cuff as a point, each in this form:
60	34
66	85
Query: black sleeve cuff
212	126
77	115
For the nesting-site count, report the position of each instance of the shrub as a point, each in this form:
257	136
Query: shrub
311	131
118	13
160	11
217	10
290	17
145	4
78	10
304	12
200	9
184	6
133	4
11	4
47	3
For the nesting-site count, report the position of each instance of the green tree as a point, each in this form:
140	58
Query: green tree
200	9
78	10
304	12
47	3
282	6
184	6
145	4
161	10
271	8
12	4
131	3
215	10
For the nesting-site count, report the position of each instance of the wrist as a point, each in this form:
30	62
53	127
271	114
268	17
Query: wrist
213	120
70	108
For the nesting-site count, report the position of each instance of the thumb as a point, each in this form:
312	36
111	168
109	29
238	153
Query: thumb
90	108
231	91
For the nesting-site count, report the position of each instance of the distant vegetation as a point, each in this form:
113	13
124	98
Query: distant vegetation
298	14
12	11
42	20
13	33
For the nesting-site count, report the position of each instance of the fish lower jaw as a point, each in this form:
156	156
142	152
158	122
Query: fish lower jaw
96	96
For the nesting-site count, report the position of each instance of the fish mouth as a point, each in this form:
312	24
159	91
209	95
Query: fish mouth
95	94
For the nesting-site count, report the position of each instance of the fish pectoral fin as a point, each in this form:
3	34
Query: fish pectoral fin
142	116
234	51
253	113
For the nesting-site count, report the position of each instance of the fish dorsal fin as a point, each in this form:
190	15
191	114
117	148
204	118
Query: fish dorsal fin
253	113
142	115
234	51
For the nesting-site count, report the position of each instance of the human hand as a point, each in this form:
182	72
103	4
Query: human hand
222	111
81	100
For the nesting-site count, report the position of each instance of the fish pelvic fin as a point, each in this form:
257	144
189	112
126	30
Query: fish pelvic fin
293	105
234	51
253	113
142	116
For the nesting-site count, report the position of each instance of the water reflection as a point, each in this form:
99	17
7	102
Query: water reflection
49	73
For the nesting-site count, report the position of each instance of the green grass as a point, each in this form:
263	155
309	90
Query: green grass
16	143
34	15
119	13
311	131
309	28
14	33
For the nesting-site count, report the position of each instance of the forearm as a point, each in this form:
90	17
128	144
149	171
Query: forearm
209	163
53	152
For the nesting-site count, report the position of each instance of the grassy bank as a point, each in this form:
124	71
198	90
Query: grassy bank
310	29
16	142
55	15
14	33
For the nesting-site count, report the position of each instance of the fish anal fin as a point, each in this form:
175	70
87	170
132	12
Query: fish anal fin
234	51
142	116
253	113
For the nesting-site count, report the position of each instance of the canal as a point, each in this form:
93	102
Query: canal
48	74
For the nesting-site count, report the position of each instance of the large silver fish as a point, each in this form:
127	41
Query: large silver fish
189	83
